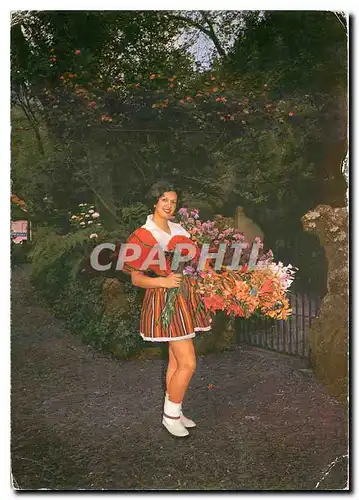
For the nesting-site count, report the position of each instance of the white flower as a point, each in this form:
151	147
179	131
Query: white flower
91	211
95	215
81	205
82	223
90	222
99	224
312	215
74	217
87	215
82	213
93	235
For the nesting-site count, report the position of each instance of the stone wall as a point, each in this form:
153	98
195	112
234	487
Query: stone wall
328	336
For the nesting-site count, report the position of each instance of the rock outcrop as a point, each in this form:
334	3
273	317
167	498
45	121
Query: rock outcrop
328	335
247	226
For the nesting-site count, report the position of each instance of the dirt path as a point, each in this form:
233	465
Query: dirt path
82	420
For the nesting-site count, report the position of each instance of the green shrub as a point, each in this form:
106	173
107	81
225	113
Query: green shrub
61	273
19	253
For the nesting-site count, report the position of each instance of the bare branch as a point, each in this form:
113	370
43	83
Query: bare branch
208	32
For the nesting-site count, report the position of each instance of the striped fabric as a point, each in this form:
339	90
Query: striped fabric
186	321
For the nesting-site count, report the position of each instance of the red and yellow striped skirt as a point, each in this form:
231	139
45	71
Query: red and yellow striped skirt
186	319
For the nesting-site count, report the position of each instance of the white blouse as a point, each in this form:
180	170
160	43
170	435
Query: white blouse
160	235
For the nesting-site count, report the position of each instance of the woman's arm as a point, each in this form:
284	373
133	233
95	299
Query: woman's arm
141	280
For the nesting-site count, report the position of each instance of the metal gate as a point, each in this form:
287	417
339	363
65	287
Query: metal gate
290	336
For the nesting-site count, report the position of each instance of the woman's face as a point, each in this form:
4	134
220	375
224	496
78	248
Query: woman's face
166	205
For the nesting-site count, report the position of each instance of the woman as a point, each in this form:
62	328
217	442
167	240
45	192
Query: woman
159	229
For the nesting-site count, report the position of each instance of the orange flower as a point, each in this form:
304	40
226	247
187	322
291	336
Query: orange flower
105	118
152	76
214	303
177	240
267	286
235	309
77	52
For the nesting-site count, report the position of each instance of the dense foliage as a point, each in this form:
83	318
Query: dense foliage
62	274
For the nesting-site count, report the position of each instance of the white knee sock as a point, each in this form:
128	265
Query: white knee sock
172	411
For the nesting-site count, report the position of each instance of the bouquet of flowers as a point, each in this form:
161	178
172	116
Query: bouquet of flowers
250	289
244	293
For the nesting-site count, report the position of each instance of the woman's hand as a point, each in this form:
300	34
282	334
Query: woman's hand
172	281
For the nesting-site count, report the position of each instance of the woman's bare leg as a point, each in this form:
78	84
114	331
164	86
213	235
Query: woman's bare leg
184	353
171	368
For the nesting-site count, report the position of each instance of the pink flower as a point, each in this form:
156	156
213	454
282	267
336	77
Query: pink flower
195	213
291	113
95	215
77	52
238	236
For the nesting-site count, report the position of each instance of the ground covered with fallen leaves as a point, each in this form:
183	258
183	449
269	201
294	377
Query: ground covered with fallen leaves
81	420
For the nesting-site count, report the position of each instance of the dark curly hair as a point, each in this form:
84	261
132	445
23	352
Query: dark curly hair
158	189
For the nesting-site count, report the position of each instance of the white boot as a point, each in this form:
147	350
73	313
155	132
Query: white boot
172	419
187	422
